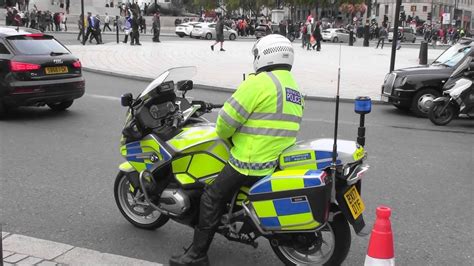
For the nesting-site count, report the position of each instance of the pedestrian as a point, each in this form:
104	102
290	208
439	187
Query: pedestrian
97	29
304	30
127	28
80	24
309	32
317	36
269	136
90	29
135	29
68	4
282	28
382	35
142	24
64	21
219	33
156	27
107	22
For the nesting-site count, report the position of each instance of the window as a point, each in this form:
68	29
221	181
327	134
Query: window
377	10
425	9
386	9
36	46
3	49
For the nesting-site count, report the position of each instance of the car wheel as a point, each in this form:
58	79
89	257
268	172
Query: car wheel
60	106
181	35
414	40
208	36
335	39
232	37
423	101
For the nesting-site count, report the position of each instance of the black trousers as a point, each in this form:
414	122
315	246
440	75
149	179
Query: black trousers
380	40
220	192
135	37
156	35
106	25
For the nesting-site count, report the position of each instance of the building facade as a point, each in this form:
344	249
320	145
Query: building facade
443	12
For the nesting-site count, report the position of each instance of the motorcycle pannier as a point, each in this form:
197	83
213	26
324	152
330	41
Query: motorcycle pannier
291	200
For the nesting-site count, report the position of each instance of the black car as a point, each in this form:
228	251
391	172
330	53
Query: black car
35	69
415	88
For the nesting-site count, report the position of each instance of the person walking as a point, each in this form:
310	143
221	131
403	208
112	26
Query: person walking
262	118
90	34
309	32
382	35
135	30
219	34
127	28
64	21
107	22
156	27
97	29
317	36
80	24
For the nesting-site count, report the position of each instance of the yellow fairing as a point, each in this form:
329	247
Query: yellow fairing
359	154
142	155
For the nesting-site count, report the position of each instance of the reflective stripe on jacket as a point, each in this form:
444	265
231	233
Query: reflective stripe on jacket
263	118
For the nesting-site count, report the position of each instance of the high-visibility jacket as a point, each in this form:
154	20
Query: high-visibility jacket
263	118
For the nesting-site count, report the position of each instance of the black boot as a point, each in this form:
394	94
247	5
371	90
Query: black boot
196	255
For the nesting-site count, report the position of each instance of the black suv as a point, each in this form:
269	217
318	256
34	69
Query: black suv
415	88
35	69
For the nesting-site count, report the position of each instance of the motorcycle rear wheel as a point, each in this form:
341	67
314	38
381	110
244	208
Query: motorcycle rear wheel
440	118
335	251
134	207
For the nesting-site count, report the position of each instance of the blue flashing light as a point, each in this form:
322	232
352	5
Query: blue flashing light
363	105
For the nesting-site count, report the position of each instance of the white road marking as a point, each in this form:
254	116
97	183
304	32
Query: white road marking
104	97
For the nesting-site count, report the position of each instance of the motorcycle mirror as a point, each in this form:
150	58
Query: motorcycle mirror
126	100
185	85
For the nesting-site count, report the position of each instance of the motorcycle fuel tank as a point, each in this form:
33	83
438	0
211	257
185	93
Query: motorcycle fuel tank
202	155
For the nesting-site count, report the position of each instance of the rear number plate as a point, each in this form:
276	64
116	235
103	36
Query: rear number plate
354	201
56	70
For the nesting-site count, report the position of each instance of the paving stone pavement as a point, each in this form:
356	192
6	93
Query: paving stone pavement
24	250
362	68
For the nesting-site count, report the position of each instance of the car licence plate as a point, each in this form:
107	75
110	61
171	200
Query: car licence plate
56	70
354	201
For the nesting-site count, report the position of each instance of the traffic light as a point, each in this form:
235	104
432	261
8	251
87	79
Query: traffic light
429	16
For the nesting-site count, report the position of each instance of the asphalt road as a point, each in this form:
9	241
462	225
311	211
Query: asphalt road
58	170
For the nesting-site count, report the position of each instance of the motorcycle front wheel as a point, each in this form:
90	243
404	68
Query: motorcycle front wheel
331	248
441	117
133	206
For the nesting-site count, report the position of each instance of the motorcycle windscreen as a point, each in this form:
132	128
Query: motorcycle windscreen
291	200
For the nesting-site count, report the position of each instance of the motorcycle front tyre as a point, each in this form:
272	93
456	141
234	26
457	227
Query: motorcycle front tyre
441	119
140	220
342	240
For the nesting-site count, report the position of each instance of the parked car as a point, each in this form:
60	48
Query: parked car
405	34
415	88
208	31
337	35
36	69
185	29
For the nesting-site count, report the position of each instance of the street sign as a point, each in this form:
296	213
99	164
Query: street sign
446	18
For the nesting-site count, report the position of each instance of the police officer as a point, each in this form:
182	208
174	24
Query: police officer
262	118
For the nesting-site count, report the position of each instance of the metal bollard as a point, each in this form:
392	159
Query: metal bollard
423	57
117	28
351	37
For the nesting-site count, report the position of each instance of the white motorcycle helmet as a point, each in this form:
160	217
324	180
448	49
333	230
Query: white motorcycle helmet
272	50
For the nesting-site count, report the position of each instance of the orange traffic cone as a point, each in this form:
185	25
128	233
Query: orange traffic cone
380	251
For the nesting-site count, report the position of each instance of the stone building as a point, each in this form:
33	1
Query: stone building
460	12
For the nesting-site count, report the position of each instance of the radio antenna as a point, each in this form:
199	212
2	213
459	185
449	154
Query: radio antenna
334	147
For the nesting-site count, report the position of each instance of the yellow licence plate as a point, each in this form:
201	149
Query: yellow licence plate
56	70
354	201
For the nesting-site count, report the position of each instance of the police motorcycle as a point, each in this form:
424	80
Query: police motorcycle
458	95
304	208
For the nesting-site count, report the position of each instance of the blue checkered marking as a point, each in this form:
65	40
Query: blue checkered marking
287	207
264	186
270	222
165	154
133	144
320	155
